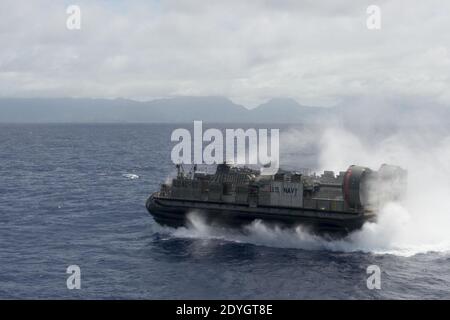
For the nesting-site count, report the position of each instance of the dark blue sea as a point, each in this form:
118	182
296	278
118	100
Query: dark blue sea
73	194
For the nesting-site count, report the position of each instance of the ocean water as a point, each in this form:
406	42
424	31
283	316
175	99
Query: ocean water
74	195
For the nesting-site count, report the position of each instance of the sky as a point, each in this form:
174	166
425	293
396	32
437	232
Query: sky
316	52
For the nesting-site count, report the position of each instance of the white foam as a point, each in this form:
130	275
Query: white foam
130	176
378	238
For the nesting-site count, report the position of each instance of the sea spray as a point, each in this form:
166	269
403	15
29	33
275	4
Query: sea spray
383	237
421	222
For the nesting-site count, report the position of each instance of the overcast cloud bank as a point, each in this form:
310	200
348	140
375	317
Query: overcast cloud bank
319	53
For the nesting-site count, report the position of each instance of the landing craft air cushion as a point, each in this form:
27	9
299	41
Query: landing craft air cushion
324	204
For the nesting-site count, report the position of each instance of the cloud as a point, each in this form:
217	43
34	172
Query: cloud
318	53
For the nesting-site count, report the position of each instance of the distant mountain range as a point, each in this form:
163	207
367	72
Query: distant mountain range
207	109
